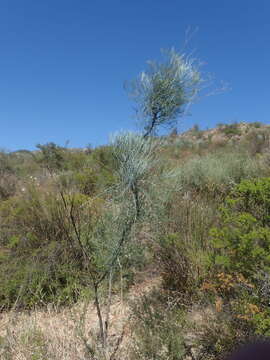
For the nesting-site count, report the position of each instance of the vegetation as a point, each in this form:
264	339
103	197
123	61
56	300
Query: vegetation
163	91
148	248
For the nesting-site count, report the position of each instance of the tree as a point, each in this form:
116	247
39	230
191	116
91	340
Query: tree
52	156
103	245
163	92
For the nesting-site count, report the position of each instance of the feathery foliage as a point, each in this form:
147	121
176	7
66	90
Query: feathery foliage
162	91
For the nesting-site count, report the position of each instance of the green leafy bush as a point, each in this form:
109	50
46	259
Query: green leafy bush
51	156
241	254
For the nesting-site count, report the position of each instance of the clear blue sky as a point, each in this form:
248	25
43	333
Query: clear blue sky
63	63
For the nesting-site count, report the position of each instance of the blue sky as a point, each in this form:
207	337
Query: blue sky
63	63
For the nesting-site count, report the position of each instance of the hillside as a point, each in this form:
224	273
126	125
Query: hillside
147	248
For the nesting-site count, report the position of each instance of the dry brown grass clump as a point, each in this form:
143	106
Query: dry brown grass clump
51	334
66	334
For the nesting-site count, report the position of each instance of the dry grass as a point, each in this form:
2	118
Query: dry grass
65	334
51	334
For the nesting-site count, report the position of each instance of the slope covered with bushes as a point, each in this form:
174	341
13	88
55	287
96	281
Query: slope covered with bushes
194	214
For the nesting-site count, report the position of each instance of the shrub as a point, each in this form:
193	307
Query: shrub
102	156
257	141
157	329
85	181
8	185
196	132
252	196
219	334
256	124
26	283
75	160
218	173
8	179
52	156
231	129
177	265
41	257
240	257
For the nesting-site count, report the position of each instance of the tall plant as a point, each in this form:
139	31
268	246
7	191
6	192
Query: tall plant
104	245
164	90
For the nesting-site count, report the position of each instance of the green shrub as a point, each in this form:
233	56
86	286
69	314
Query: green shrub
52	156
102	156
218	173
241	254
253	197
231	129
85	181
39	281
76	160
157	329
247	242
42	260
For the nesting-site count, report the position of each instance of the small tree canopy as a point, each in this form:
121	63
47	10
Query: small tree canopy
162	91
52	156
